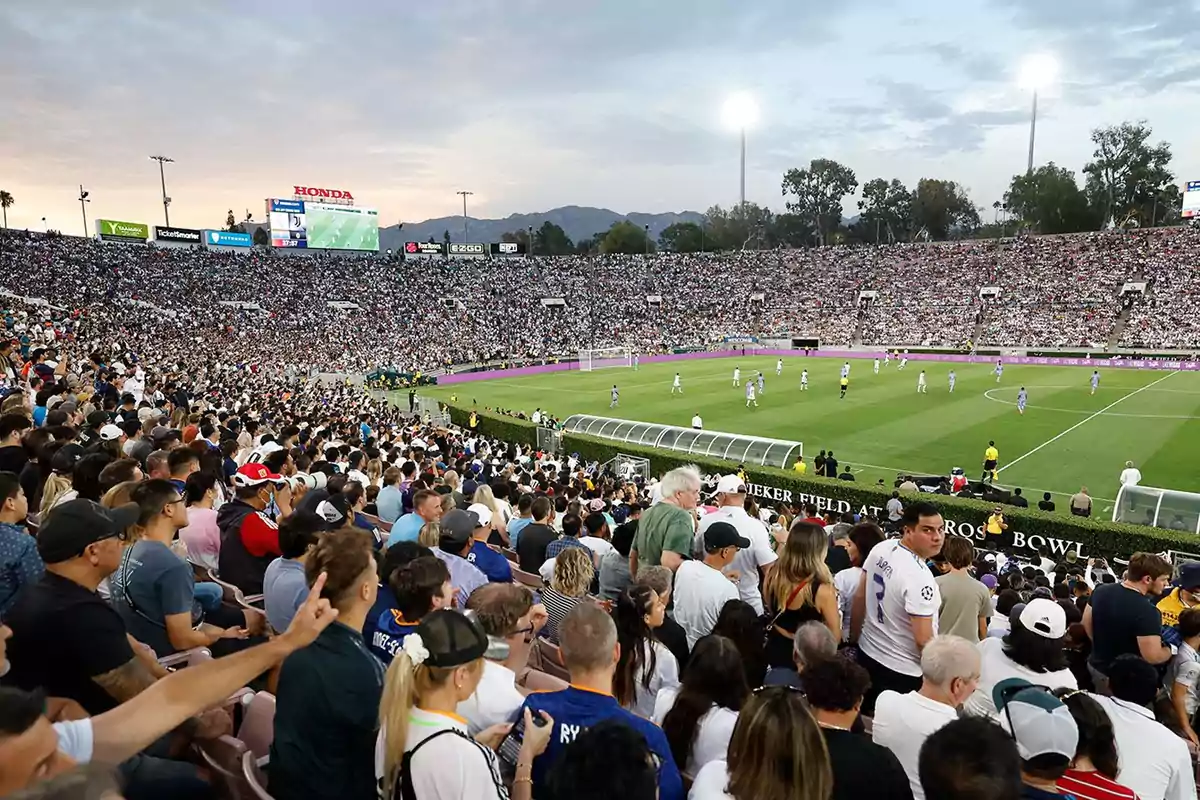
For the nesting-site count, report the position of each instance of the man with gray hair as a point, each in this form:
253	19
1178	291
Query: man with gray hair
949	674
813	642
665	531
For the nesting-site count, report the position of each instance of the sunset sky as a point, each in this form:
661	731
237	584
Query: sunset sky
533	104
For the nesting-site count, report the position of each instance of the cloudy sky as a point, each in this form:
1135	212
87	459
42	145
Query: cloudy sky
533	104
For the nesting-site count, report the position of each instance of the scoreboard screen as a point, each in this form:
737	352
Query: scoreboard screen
1191	200
288	223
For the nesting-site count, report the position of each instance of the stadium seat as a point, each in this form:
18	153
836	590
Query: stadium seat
375	521
253	775
223	757
258	724
550	660
528	579
233	595
187	658
511	555
534	680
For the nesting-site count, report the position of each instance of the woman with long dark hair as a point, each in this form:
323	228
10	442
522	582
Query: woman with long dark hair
645	666
799	589
698	718
741	624
1095	767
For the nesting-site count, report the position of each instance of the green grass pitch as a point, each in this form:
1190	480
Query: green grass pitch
333	230
1067	437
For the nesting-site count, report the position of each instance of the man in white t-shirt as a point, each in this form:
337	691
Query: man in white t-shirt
701	587
1131	475
511	619
697	423
751	562
895	610
949	673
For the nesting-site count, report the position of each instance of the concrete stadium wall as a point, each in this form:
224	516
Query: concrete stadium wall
1118	363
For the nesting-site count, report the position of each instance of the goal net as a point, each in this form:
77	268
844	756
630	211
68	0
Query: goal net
605	357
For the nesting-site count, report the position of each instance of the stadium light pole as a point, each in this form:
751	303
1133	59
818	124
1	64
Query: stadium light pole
464	197
162	177
741	112
1037	72
83	200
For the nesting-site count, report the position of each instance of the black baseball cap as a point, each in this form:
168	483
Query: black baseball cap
451	638
456	527
723	534
96	419
72	526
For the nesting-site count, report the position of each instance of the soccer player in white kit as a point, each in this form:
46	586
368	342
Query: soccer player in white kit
895	610
1022	399
804	380
778	367
921	387
999	369
877	366
677	386
750	398
953	378
887	358
616	397
737	376
1095	380
903	363
760	383
635	363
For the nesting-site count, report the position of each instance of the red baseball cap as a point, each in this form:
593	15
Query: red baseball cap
254	474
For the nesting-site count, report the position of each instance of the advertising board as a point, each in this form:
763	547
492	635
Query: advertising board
468	249
182	235
114	230
424	248
508	248
227	239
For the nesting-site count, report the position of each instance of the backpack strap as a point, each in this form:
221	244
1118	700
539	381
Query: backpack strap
406	788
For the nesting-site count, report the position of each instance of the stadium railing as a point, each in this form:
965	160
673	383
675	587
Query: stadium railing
1028	527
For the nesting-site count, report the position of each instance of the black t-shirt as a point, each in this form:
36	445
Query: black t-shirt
1019	501
13	458
31	482
1119	616
862	768
831	467
63	636
673	637
1046	505
532	544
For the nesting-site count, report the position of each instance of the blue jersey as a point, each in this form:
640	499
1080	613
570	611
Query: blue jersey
575	709
391	630
490	563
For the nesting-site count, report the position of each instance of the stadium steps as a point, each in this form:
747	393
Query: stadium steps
1114	338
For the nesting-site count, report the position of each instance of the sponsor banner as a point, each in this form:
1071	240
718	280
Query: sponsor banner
186	235
954	527
508	248
424	248
227	239
113	230
339	196
285	206
468	249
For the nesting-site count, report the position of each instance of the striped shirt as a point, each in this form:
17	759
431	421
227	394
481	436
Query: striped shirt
1093	786
558	605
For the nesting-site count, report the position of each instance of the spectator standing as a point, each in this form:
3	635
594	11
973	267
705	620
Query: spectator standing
1045	733
777	752
861	540
536	536
1120	619
614	566
285	584
698	716
670	633
902	722
1032	650
1131	475
970	759
328	700
739	623
666	529
588	638
505	612
966	603
799	589
835	688
573	573
427	507
1183	676
894	508
895	608
1186	594
645	667
1155	762
20	564
1094	769
701	587
812	643
751	563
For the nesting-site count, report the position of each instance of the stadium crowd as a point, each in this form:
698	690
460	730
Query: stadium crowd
220	572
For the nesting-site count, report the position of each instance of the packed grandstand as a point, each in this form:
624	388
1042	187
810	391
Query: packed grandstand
230	577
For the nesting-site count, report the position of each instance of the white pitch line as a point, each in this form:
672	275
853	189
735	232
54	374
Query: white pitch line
1084	421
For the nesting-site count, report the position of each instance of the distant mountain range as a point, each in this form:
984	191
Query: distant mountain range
579	222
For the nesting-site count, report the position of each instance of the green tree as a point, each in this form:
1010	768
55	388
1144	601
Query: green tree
887	208
591	244
1050	201
230	221
6	202
940	207
1126	172
682	237
552	240
261	238
626	237
818	193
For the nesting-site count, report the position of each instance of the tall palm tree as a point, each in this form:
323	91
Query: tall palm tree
6	200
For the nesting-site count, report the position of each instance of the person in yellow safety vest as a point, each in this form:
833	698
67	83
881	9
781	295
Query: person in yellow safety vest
800	467
996	526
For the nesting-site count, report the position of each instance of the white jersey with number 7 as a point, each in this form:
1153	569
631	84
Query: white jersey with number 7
899	586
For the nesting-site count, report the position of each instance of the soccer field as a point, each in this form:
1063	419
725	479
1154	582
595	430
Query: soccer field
1066	438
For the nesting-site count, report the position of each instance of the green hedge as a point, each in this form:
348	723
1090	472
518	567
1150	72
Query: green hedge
1059	531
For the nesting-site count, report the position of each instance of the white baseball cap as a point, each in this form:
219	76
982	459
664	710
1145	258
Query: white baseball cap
731	484
1044	617
482	512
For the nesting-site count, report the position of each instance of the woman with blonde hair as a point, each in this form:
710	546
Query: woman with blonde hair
430	535
485	496
375	472
777	753
799	589
420	732
58	487
573	573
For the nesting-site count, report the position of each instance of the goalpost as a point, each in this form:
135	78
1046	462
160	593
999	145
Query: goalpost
605	357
